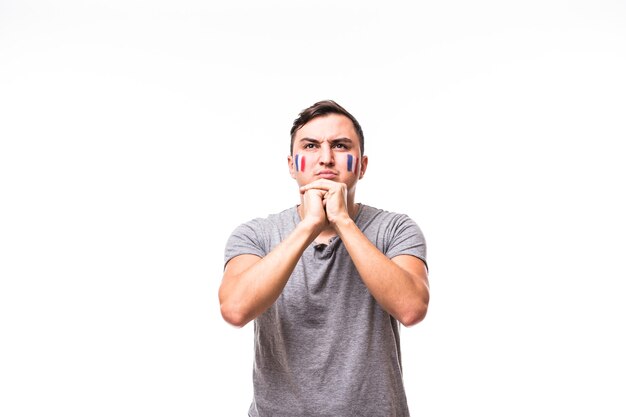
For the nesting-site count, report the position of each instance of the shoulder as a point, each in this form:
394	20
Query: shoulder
280	220
258	236
393	233
369	216
261	228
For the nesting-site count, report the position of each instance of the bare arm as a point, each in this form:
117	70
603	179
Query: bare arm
399	285
252	284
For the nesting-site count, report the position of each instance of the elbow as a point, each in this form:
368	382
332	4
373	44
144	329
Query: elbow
233	316
416	310
412	318
414	315
231	310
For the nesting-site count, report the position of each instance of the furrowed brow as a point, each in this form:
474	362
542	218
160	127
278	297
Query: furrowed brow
342	140
309	140
345	141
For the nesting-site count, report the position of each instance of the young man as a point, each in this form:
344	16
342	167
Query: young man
326	283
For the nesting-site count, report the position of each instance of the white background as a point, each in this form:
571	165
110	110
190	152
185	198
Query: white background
135	135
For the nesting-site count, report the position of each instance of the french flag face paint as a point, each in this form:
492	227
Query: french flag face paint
353	164
300	163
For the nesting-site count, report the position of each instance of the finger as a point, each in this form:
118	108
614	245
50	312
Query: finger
307	188
320	184
314	192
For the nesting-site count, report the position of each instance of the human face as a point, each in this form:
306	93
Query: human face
327	147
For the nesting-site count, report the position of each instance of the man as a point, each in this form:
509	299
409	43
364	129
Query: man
326	283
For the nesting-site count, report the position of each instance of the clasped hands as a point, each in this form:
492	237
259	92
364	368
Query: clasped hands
324	202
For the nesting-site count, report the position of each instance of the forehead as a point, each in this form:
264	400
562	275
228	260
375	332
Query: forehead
329	126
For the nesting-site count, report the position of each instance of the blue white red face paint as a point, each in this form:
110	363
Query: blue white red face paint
353	164
300	163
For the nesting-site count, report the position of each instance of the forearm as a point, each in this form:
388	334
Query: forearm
248	290
402	292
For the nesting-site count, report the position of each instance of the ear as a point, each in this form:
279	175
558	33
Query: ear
363	166
292	167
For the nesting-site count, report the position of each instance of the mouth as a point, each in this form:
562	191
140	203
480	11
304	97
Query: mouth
327	174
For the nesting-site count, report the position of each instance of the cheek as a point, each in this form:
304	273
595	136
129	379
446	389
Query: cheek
352	163
300	162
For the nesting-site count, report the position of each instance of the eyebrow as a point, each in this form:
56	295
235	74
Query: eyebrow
332	141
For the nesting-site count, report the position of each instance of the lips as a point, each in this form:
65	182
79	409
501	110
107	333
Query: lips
327	174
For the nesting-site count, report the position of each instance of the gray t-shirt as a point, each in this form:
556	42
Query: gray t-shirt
325	347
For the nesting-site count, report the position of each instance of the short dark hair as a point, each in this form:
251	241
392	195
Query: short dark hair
322	108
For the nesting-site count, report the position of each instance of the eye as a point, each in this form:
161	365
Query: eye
340	145
309	146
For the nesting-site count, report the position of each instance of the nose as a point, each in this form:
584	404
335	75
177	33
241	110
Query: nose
326	155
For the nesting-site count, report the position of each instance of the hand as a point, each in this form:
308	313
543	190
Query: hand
313	208
334	198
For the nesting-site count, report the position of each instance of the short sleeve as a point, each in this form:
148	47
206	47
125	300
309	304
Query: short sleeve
404	237
247	238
